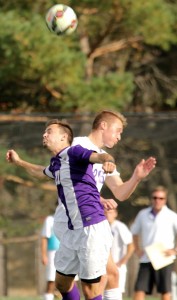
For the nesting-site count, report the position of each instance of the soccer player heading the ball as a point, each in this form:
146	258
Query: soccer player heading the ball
106	131
85	246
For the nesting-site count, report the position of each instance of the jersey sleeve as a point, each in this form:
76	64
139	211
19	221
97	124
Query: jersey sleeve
48	173
79	153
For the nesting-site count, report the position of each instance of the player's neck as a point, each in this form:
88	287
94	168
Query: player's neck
96	138
60	147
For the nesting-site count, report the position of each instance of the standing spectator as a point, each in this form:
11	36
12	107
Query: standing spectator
155	224
122	247
49	245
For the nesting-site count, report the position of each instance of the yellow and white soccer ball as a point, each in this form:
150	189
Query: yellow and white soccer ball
61	19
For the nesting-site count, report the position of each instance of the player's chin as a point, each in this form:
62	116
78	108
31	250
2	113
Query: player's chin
110	145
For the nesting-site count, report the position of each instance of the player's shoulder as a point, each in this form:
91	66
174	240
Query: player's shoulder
80	140
77	149
85	142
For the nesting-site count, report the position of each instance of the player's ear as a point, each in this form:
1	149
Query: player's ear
103	125
64	137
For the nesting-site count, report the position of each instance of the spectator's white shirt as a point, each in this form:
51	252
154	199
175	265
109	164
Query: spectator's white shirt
47	232
161	228
122	236
47	228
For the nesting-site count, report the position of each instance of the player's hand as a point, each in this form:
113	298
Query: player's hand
145	167
108	167
108	204
12	156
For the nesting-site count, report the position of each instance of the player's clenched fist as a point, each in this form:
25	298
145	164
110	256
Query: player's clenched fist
12	156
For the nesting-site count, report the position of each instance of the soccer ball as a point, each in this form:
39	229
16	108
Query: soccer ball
61	19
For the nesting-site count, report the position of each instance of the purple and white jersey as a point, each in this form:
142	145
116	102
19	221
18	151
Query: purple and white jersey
76	186
98	171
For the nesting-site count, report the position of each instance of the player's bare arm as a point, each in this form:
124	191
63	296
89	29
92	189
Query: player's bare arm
33	169
107	161
108	204
123	190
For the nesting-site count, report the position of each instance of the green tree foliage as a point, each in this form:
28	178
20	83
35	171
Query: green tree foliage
119	57
110	90
154	20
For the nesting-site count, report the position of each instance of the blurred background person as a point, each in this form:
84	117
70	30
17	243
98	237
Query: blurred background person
49	245
155	224
122	246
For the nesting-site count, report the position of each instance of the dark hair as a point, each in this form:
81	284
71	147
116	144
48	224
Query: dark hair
106	115
64	126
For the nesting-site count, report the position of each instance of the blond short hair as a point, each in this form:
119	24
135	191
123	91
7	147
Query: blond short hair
107	115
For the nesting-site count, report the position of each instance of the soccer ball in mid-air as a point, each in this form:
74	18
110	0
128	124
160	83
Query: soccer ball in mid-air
61	19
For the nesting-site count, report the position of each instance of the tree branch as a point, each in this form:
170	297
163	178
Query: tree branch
112	47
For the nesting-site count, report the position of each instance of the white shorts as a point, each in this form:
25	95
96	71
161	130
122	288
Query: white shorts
60	228
85	251
50	268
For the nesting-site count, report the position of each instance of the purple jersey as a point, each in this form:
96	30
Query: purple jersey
76	186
